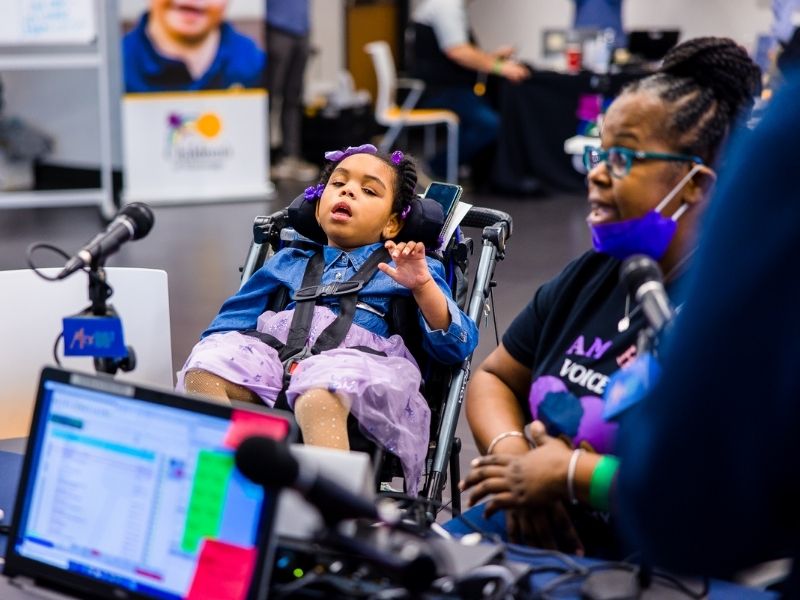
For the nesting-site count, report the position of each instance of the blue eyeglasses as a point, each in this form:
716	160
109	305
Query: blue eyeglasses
620	160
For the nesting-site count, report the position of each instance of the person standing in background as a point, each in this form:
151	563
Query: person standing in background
287	38
447	58
184	45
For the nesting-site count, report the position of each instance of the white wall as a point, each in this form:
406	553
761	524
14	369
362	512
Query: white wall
70	118
520	22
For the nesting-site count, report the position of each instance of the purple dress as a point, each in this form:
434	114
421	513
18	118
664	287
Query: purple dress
382	391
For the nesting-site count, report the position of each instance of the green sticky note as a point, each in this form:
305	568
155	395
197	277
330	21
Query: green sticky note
209	488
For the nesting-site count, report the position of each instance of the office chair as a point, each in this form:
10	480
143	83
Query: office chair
396	118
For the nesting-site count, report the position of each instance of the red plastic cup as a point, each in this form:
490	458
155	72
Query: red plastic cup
574	58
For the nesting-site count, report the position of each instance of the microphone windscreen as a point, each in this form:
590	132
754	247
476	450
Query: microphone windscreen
142	217
266	462
638	269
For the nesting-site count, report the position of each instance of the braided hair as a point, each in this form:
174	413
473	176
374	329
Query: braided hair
404	184
707	84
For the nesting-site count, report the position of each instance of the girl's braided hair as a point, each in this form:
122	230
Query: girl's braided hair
708	83
404	185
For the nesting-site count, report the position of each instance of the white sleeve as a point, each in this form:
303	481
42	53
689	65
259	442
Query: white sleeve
448	18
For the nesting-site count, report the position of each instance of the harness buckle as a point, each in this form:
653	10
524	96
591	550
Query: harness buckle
336	288
290	363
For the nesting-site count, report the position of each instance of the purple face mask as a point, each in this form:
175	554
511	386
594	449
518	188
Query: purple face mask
649	234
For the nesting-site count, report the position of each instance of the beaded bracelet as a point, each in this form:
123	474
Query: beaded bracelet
602	478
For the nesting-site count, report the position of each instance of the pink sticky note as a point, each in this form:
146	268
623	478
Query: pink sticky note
223	572
245	424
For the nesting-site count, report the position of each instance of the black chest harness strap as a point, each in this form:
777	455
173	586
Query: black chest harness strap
306	298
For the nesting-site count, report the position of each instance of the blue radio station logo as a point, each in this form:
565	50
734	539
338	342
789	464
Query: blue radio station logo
87	335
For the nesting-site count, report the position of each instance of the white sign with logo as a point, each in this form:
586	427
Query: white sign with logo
196	146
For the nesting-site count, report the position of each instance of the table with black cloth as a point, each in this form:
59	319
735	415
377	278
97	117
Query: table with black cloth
556	575
537	115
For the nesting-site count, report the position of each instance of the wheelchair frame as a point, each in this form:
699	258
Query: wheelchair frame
270	230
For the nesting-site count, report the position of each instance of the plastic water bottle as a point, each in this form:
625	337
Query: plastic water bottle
609	40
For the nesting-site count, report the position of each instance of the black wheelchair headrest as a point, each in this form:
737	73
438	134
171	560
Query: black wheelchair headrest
423	224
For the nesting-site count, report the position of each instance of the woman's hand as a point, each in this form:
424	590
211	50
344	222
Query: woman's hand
411	268
530	487
536	478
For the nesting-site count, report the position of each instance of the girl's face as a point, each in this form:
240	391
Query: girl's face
189	20
635	121
356	206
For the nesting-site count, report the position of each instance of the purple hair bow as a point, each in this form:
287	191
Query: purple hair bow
313	192
337	155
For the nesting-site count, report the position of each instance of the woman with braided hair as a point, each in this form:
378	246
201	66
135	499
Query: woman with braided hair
361	203
648	185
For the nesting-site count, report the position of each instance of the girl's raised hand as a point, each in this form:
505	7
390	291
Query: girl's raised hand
411	268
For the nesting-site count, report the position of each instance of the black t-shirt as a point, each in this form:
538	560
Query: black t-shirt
430	64
569	336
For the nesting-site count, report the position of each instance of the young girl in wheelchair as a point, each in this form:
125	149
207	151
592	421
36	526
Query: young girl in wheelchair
361	204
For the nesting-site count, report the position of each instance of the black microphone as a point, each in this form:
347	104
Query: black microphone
642	276
131	223
270	464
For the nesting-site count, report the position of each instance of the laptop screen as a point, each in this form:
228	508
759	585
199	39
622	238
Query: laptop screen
137	491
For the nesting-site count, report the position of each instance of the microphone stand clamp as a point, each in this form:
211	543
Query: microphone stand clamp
99	292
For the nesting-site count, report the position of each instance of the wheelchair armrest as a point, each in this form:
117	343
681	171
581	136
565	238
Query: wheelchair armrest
266	229
497	226
480	217
266	240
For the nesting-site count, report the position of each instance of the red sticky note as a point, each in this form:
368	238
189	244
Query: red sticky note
223	572
245	424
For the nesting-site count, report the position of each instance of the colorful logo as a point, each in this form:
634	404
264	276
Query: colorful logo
194	141
207	125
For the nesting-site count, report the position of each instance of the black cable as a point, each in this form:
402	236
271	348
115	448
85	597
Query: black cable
657	576
557	582
682	587
492	537
55	349
542	553
417	500
33	248
494	316
29	258
570	572
287	589
445	506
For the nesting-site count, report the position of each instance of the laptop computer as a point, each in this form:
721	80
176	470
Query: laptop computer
131	493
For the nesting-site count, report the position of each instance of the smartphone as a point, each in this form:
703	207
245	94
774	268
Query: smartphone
446	194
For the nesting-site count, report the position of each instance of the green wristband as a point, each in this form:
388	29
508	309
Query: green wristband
497	67
600	486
